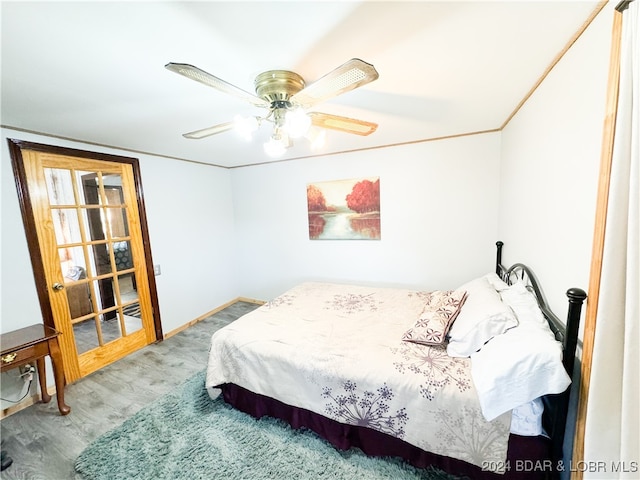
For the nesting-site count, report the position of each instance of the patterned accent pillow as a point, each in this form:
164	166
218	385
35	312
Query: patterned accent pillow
436	318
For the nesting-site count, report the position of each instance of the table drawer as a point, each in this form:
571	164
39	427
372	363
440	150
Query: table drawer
16	357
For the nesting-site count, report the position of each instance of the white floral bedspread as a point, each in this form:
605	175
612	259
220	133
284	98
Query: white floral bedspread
337	350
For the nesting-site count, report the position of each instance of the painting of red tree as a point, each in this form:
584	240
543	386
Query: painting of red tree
315	199
365	197
344	209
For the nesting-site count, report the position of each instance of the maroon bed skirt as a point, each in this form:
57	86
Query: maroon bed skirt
527	457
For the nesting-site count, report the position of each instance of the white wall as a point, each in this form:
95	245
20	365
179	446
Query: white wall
550	166
439	203
191	226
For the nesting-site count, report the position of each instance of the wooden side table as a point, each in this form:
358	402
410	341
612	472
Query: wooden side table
30	344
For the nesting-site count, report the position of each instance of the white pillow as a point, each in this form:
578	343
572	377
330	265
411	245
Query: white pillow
526	419
525	306
482	317
496	282
523	363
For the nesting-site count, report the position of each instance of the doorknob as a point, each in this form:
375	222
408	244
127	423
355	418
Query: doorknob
58	286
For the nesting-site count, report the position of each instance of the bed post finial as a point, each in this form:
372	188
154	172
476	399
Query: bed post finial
499	245
576	297
570	342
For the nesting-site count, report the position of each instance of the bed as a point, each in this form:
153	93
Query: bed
472	380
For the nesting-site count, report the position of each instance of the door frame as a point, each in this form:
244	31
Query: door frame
26	208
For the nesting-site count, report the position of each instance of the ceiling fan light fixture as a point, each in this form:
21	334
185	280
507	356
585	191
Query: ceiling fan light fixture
275	147
297	122
245	126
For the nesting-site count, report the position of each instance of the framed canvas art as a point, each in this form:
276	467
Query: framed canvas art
344	209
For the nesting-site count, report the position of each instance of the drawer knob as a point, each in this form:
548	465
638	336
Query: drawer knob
9	358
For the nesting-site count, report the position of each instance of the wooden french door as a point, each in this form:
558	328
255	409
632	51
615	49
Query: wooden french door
95	287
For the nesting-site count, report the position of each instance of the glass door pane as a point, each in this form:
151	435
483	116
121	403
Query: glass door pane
94	248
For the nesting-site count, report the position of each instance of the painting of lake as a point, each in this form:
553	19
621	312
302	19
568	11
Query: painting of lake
344	209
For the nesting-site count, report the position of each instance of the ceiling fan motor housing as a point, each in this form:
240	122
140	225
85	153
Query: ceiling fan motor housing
278	85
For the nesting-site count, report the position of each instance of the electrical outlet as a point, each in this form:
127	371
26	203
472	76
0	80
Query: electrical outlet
27	369
156	270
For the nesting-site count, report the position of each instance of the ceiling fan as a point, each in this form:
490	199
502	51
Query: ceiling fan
286	98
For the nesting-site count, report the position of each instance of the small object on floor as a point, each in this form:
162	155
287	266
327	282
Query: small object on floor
5	461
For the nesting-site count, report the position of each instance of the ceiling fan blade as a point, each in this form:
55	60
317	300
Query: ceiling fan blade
206	132
194	73
346	77
344	124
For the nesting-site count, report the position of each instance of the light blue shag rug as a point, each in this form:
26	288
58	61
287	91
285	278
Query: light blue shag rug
186	435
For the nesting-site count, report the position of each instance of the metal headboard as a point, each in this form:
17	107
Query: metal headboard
556	406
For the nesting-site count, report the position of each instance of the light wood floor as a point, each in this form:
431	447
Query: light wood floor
44	444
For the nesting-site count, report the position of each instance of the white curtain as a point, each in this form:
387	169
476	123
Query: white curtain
612	425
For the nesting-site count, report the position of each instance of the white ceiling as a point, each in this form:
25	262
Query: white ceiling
94	71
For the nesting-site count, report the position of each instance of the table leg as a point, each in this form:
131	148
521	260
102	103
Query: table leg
42	377
58	373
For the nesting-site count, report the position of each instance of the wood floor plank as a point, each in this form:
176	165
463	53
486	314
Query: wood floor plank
44	444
